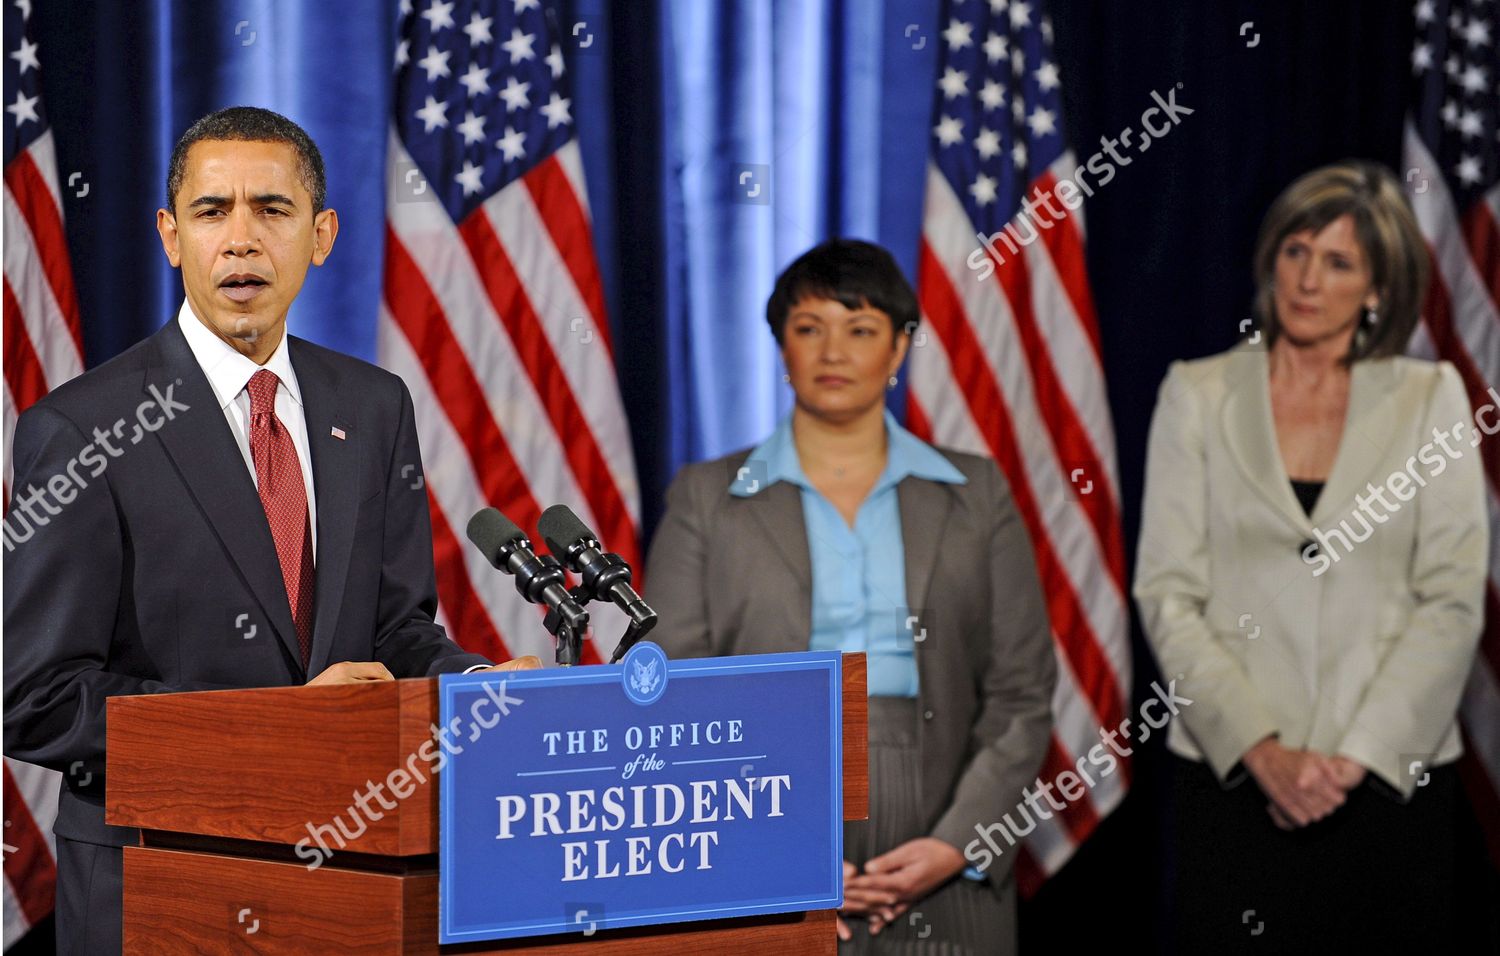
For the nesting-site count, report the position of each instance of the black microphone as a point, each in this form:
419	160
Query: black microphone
539	580
604	576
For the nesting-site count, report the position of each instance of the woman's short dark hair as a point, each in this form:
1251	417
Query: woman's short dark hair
254	125
856	274
1387	234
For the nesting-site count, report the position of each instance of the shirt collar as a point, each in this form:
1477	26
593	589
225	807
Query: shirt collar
775	459
228	371
909	455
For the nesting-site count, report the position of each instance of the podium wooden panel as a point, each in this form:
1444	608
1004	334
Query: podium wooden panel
224	783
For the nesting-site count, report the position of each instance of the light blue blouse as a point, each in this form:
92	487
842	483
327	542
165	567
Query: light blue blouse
859	600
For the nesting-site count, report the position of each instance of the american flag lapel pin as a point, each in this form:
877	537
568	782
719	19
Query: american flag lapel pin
338	433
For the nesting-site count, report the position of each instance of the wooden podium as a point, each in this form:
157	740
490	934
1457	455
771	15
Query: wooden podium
223	785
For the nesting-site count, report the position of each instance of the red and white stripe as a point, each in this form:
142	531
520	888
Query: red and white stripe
30	847
1010	367
43	348
497	325
1461	323
43	343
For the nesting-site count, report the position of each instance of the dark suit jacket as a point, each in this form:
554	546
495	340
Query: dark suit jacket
733	575
158	572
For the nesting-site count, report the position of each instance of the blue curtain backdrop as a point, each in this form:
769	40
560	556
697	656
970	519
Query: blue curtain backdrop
123	80
720	139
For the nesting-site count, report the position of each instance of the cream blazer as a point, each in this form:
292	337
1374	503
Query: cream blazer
1350	632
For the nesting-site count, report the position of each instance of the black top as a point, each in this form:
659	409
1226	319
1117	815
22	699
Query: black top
1307	493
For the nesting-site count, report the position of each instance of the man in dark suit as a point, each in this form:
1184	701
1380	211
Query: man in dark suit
220	506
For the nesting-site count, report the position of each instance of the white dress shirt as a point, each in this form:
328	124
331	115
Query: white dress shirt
229	373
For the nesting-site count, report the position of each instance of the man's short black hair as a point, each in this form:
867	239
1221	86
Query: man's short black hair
255	125
856	274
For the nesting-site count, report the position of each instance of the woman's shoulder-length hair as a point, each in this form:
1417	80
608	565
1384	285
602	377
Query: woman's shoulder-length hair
1387	233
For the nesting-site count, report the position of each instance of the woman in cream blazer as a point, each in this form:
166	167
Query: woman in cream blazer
1311	569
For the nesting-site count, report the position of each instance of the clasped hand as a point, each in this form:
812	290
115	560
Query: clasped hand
893	881
1304	786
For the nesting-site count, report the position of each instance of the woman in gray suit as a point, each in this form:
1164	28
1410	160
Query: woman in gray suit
1311	568
843	531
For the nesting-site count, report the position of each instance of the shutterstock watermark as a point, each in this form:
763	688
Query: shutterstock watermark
62	488
403	781
1329	547
1028	225
1073	784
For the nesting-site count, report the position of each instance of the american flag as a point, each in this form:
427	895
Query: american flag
1012	369
43	348
493	311
1451	157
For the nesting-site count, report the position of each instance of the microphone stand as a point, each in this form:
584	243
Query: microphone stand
633	633
566	627
597	580
568	636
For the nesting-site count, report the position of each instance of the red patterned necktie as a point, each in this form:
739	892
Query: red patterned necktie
278	478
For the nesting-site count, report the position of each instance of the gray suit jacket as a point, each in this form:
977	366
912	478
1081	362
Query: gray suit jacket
733	575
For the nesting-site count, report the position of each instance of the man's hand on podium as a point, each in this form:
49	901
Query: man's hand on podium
528	663
354	672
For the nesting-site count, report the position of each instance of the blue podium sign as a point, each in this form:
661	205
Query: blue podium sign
651	791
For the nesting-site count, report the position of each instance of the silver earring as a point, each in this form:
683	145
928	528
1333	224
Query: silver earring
1371	316
891	384
786	377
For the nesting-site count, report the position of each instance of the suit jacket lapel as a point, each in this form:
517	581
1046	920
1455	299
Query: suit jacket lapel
924	516
204	451
1368	432
336	484
1250	433
778	511
924	506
